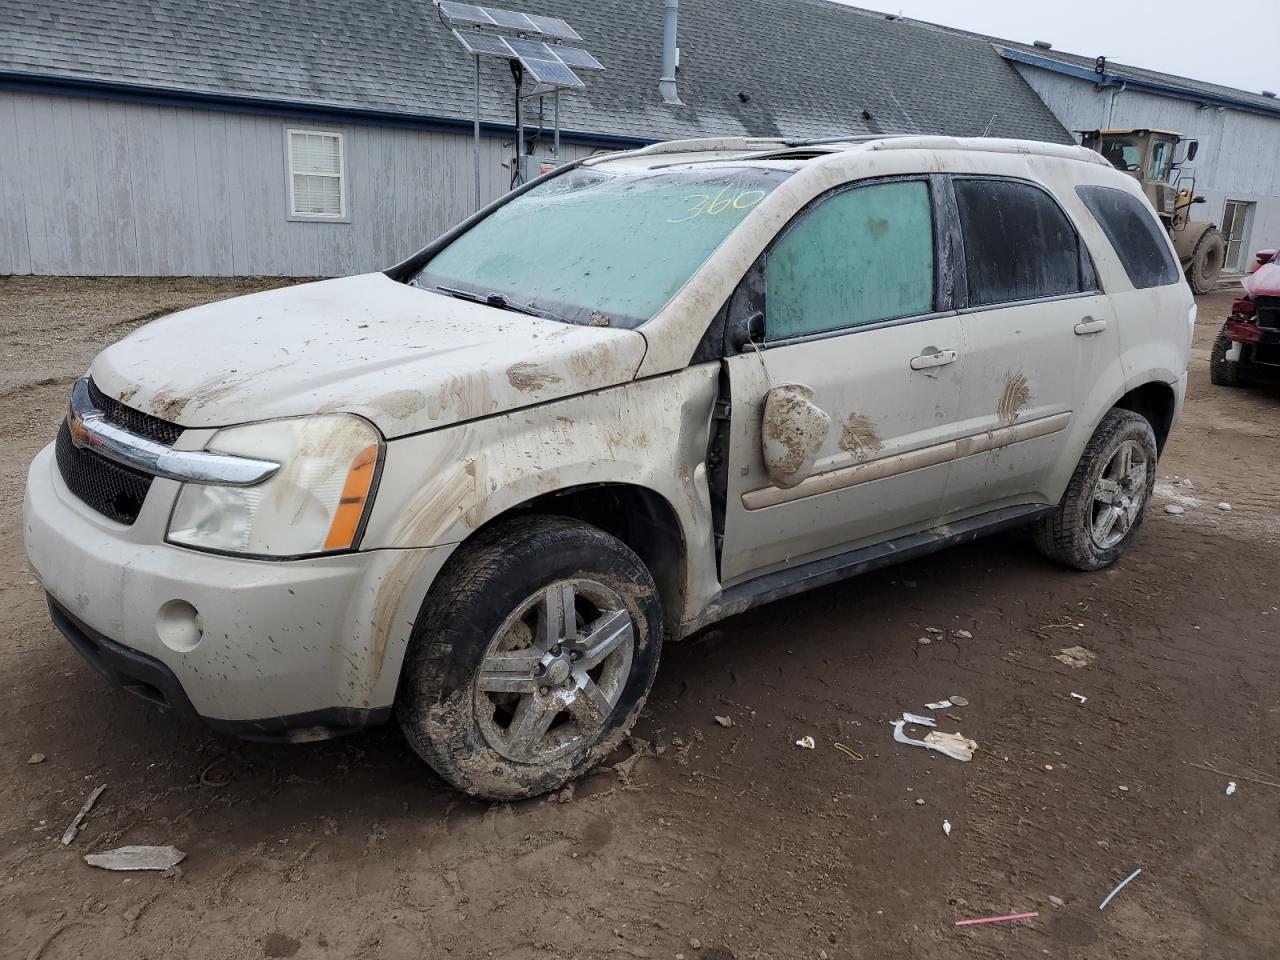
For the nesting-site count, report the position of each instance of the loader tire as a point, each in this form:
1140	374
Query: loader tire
1206	262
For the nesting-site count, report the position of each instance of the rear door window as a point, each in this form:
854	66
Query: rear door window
858	257
1135	234
1018	244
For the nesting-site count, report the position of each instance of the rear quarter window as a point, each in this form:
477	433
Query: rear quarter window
1134	233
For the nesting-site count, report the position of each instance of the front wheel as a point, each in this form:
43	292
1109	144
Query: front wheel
1107	497
1223	371
531	658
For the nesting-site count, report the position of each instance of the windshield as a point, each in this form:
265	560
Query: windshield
1124	153
600	248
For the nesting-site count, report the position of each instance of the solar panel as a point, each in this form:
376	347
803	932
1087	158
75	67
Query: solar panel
577	58
531	49
488	44
512	20
490	31
554	27
465	13
551	72
472	14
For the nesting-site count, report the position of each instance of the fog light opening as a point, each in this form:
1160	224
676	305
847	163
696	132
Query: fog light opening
178	626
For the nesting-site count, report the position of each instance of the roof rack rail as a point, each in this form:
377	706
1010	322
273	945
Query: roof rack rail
851	138
761	147
700	144
990	145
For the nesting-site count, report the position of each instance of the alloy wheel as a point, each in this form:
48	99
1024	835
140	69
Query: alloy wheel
554	671
1119	495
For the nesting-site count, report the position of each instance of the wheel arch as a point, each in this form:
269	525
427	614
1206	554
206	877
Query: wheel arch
638	516
1157	403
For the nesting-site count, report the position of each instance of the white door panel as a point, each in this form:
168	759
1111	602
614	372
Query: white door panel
1027	364
876	473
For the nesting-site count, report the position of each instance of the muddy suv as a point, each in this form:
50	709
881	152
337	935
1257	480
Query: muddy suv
652	390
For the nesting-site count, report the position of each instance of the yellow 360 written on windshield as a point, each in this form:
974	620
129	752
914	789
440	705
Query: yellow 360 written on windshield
709	205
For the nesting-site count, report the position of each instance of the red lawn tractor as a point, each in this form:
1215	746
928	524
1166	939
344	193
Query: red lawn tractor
1247	348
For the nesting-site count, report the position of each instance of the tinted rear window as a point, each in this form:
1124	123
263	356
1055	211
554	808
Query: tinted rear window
1018	244
1135	234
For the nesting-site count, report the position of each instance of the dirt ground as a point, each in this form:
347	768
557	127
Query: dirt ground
723	842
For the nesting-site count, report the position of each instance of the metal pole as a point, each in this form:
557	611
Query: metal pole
519	138
555	152
475	146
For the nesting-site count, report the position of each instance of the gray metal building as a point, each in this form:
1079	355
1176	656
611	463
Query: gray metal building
1237	169
325	137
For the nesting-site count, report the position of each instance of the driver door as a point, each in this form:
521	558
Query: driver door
853	310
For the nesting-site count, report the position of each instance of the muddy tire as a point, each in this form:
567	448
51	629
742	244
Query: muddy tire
1107	497
531	658
1223	372
1206	262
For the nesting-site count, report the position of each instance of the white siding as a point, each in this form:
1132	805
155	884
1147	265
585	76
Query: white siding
1238	150
97	187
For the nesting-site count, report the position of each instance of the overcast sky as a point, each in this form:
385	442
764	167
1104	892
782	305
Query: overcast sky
1234	45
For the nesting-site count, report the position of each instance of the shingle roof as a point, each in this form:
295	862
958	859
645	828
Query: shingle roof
754	67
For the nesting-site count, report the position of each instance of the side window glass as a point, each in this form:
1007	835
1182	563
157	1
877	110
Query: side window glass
1161	160
859	257
1018	244
1135	234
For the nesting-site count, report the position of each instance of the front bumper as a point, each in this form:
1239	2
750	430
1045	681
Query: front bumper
289	649
1240	332
149	679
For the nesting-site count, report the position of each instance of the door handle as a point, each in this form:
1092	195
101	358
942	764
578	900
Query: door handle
1089	325
937	358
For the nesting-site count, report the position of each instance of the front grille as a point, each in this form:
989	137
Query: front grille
115	491
153	428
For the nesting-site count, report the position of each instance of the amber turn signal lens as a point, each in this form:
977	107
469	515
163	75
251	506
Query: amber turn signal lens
355	494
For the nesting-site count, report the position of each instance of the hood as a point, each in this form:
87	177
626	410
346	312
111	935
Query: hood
404	358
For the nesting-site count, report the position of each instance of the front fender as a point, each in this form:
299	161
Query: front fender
1185	240
437	488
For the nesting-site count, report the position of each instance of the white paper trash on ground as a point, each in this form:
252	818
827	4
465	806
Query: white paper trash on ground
952	744
136	858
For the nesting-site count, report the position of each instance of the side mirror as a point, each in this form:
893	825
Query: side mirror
1193	147
792	432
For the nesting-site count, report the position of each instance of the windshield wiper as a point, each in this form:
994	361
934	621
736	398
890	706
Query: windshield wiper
501	301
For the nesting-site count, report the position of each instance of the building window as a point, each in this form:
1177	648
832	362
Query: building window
317	175
1237	218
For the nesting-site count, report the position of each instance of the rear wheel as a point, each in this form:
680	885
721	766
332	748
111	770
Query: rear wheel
1107	498
1206	262
531	659
1223	371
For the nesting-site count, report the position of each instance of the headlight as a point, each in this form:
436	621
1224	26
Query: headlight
315	502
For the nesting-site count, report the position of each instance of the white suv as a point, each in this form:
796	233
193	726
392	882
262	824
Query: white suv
641	394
